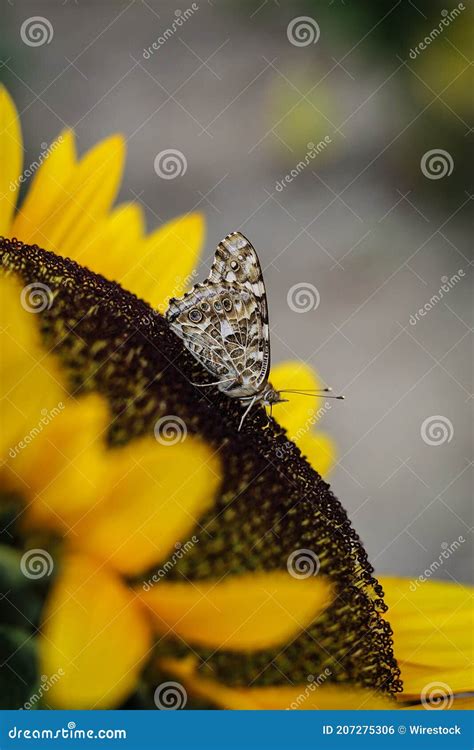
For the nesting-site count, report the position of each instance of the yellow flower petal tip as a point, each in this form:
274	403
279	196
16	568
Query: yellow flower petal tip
11	159
47	191
86	197
165	266
243	613
301	413
95	636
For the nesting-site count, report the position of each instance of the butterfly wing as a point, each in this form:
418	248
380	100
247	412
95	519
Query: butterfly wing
236	261
222	326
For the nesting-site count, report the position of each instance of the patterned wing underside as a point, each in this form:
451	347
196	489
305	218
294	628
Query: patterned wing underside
222	326
236	261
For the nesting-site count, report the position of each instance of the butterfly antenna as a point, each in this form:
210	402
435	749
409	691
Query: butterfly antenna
308	390
313	393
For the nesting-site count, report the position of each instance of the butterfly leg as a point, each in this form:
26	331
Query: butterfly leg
246	412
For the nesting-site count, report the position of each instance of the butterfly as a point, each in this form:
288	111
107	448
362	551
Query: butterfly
223	322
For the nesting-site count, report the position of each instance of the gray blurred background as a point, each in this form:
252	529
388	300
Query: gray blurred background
241	89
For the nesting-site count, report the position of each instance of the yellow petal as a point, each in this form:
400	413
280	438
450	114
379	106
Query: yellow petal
165	264
94	634
64	468
86	197
417	678
314	695
157	495
11	159
300	413
29	381
433	625
113	243
244	613
47	191
320	451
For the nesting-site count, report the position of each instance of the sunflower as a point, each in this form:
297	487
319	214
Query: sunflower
109	516
146	543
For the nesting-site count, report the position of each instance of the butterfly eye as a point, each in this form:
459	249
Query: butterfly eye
195	316
217	306
234	265
227	304
205	307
